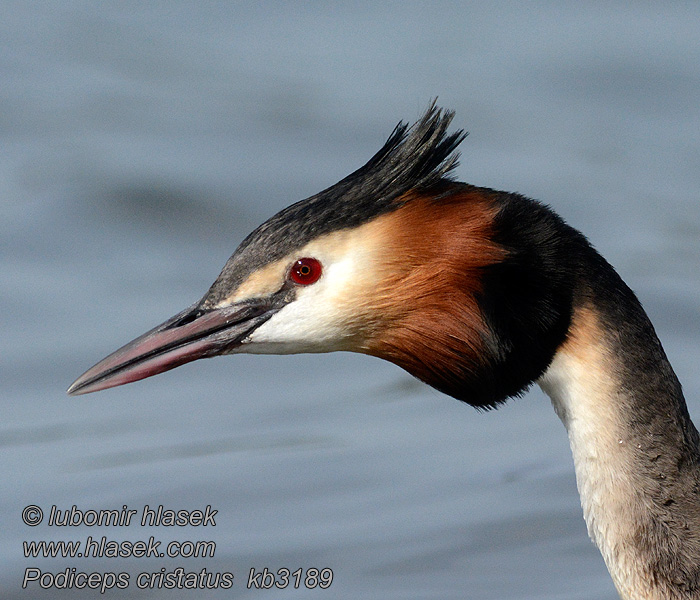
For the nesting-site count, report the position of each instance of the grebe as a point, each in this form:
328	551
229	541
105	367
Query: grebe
480	294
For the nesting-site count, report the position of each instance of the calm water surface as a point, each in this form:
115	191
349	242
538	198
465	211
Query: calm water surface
142	141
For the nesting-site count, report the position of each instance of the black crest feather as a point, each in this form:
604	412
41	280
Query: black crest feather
415	157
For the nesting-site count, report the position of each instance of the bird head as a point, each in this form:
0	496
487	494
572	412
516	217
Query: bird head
398	261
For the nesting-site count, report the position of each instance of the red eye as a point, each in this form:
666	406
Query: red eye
305	271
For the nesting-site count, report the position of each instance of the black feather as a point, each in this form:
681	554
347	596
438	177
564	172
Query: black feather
416	157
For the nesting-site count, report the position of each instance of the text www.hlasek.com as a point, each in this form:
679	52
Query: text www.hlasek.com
164	578
104	548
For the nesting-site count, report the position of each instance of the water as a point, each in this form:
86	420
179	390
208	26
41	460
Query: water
142	141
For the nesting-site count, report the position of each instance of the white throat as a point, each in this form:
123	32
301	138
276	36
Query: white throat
582	385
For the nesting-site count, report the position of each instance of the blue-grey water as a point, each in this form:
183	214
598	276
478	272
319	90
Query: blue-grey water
140	141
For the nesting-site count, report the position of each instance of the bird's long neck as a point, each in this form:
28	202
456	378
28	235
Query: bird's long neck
635	448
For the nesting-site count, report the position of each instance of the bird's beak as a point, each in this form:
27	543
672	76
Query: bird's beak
191	334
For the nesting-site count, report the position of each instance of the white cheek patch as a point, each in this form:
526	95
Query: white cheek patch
322	316
314	322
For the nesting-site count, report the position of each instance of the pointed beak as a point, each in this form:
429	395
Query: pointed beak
194	333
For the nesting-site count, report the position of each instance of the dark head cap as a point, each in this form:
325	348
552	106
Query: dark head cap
413	158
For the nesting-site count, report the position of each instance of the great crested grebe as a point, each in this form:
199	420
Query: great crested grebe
480	294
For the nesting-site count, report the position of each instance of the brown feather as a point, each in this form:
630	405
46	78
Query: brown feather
436	247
